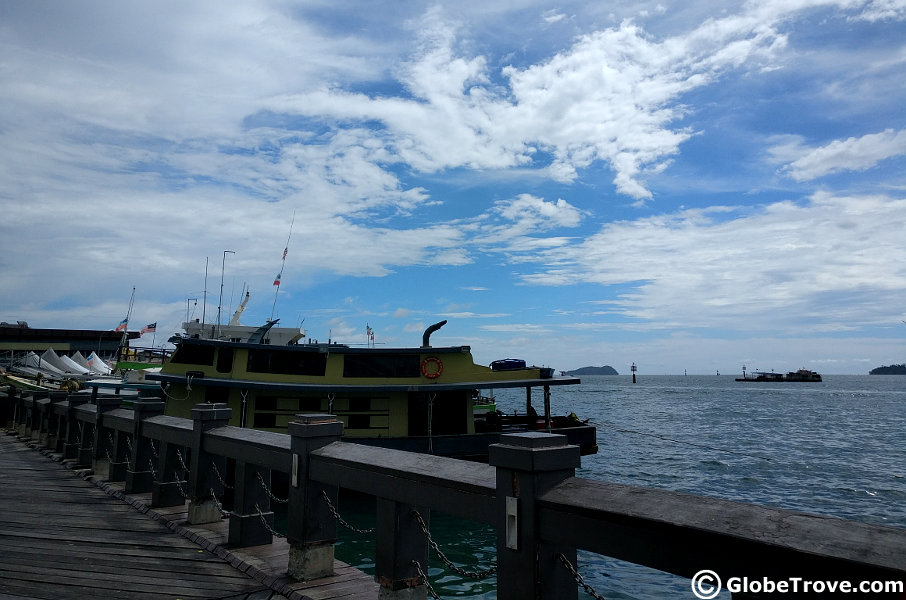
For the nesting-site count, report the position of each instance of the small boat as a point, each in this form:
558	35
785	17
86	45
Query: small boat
421	399
802	375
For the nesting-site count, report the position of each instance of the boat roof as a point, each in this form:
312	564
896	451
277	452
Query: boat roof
330	348
351	388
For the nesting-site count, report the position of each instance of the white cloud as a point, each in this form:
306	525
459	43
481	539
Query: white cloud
851	154
837	259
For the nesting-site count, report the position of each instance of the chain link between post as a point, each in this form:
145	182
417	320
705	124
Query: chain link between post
470	574
340	519
572	571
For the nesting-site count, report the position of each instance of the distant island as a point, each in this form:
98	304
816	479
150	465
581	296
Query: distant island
891	370
605	370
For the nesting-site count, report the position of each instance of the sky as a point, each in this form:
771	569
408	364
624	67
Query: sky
689	186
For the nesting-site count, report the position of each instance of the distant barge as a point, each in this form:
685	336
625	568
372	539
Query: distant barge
802	375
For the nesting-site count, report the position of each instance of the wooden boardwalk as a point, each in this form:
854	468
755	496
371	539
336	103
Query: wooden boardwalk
65	536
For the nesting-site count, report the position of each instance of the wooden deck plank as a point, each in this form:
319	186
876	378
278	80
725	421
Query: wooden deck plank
66	521
65	536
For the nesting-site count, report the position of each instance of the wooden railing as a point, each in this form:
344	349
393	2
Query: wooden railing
541	512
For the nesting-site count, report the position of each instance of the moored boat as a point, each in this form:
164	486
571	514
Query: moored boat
419	399
802	375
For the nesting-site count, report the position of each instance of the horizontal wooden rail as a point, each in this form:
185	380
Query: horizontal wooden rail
456	487
682	534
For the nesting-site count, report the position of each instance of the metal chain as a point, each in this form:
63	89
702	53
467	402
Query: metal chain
217	473
182	463
110	459
443	557
424	576
153	449
266	524
340	519
131	452
179	483
268	491
219	506
153	472
572	571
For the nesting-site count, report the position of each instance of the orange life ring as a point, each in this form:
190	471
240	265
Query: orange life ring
438	369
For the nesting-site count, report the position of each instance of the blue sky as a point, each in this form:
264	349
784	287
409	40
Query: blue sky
687	186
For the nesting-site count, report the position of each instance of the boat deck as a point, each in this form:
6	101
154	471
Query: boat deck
65	536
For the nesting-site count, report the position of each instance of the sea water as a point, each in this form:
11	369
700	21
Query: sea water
835	448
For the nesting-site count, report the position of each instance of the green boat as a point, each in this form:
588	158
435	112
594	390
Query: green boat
420	399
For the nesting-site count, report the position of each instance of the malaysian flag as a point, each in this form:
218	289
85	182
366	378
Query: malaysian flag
149	328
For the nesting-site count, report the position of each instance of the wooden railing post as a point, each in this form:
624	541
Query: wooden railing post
10	403
20	418
35	415
103	453
168	489
47	427
204	485
69	438
529	464
139	474
32	415
399	541
311	528
252	520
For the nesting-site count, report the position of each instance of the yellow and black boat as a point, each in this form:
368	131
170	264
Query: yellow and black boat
420	399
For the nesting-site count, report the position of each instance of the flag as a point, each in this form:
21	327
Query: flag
285	250
122	325
277	279
149	328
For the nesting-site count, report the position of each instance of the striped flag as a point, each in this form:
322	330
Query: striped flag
122	325
149	328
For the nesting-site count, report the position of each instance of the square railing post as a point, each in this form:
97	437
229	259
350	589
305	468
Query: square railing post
21	413
120	455
204	484
400	542
69	439
33	423
252	520
168	488
311	528
139	473
528	465
88	421
47	428
102	443
9	414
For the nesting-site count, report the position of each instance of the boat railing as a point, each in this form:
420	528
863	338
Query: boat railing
528	493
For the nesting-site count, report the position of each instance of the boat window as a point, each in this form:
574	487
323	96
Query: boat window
191	354
225	360
265	420
392	365
287	362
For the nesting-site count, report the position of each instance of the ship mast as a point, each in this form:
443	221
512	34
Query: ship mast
124	341
282	264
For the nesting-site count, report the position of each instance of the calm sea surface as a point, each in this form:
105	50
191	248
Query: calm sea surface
836	448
